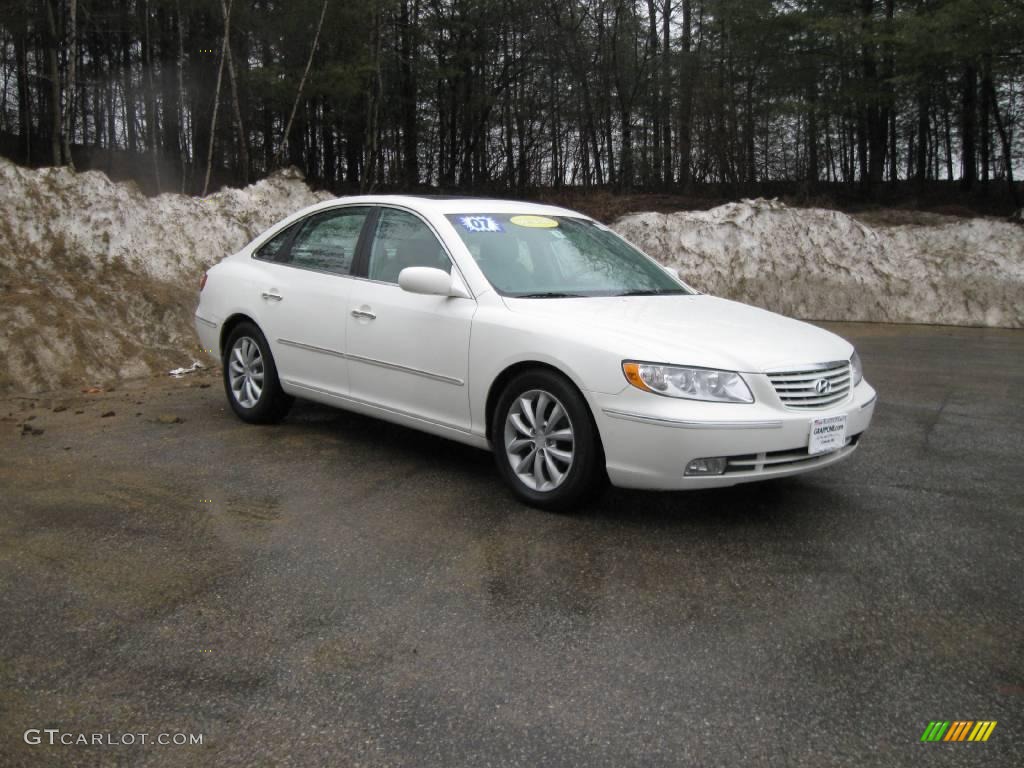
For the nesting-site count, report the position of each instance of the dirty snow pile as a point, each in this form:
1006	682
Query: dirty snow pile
99	281
824	265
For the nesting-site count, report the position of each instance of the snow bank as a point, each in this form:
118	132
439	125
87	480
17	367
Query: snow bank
824	265
99	281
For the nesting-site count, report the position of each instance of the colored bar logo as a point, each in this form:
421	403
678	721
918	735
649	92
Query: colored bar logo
958	730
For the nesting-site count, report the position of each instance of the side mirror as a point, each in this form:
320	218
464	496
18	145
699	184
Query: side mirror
430	281
672	271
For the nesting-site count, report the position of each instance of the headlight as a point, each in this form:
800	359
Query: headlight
857	369
688	383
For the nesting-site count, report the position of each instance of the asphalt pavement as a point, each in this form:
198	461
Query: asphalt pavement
336	591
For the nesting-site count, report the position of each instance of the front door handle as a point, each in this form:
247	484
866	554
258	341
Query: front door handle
270	295
362	313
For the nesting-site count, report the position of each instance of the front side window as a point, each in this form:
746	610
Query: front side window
327	241
403	240
555	256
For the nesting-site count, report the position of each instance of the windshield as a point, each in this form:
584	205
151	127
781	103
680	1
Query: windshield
530	256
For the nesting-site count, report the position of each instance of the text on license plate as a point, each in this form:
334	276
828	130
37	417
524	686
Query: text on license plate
827	434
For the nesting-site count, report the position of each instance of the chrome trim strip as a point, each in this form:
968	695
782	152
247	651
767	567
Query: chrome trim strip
809	367
761	468
869	402
204	321
368	404
311	348
379	363
407	369
683	424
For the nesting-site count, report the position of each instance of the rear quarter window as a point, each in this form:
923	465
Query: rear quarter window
273	249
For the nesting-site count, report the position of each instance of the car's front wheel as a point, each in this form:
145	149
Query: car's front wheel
250	377
545	442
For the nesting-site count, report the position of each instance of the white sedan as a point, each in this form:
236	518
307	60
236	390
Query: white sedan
532	331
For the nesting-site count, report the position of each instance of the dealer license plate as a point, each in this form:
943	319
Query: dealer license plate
827	434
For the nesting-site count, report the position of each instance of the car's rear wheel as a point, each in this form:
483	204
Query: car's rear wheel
250	377
545	442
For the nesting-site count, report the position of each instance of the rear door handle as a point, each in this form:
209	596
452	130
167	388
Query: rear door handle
363	314
270	295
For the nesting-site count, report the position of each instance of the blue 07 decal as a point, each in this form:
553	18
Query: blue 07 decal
480	224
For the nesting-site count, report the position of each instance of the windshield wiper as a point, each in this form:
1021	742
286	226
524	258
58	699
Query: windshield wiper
643	292
550	295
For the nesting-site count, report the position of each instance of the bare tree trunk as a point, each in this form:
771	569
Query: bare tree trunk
302	84
888	112
181	96
985	133
408	23
659	59
933	144
666	92
127	87
326	131
24	93
923	108
216	100
949	138
370	177
894	175
69	101
151	109
243	148
687	77
830	173
812	135
1004	139
968	127
55	110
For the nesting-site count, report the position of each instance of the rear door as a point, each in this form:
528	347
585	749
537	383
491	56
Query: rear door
408	352
305	299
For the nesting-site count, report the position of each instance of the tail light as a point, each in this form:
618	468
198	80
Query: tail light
202	282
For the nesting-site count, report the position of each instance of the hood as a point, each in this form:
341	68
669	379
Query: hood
690	330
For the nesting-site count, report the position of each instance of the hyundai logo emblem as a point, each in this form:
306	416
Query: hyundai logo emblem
823	386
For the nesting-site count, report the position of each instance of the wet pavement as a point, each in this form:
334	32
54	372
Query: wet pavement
339	591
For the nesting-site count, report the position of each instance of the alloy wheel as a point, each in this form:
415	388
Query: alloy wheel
245	372
539	440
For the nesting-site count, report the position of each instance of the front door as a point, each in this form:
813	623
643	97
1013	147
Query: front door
408	352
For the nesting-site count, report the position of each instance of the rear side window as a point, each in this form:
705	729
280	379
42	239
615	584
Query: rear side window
327	242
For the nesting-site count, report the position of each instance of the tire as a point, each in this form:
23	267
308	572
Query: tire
250	377
568	466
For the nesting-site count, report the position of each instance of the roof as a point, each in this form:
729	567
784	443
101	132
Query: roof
447	205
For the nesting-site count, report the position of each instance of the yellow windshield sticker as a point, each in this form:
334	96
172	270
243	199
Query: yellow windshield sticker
536	222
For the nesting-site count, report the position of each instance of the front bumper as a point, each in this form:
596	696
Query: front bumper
648	440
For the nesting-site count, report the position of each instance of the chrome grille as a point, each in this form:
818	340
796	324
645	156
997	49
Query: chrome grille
802	389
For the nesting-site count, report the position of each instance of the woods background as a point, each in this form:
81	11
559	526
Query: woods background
845	100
